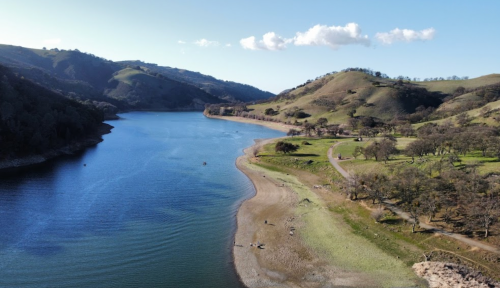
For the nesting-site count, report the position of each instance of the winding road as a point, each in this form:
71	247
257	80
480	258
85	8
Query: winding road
391	206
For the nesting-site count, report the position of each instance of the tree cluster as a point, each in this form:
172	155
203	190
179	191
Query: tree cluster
461	198
380	150
285	147
451	142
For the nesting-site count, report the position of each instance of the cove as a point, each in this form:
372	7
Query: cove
137	210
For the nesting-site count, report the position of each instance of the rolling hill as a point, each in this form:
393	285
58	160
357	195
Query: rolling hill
340	96
35	120
226	90
119	86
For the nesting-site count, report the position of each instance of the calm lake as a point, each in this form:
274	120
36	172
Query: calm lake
142	212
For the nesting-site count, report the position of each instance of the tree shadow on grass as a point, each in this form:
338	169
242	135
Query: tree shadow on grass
425	231
490	160
304	155
392	221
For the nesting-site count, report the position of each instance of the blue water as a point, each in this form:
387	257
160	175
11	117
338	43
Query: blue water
142	212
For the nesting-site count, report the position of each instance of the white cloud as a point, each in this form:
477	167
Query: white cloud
206	43
181	42
53	41
270	41
319	35
405	35
333	36
228	45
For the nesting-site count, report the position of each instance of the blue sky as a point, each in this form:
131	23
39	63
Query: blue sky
293	41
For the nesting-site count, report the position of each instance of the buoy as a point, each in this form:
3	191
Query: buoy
204	163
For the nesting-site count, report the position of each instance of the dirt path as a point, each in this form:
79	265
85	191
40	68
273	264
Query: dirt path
391	206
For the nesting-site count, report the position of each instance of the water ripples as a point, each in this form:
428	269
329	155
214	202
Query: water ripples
142	212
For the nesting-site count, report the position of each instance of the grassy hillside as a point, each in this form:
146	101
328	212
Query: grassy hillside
119	86
141	90
450	86
64	64
226	90
341	96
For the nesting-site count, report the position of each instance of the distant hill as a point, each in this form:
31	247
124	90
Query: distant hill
120	86
137	89
353	93
226	90
35	120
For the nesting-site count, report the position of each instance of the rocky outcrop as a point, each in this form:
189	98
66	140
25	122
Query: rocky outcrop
449	275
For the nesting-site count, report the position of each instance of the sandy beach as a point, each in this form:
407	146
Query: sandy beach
272	125
286	237
281	260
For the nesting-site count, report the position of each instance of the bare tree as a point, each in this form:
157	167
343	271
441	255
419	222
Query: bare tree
463	119
353	186
386	148
308	128
414	211
321	122
377	186
429	203
292	132
483	212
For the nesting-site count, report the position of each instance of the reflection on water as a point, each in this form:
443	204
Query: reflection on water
142	211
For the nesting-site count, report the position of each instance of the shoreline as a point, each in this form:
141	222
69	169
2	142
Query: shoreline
263	250
311	257
271	125
292	259
7	166
301	243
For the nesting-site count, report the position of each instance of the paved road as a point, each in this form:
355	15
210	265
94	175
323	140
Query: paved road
390	205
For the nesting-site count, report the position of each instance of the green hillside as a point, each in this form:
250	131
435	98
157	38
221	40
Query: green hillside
341	96
450	86
226	90
120	86
140	90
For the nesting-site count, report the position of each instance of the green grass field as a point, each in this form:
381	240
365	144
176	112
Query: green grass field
390	240
316	152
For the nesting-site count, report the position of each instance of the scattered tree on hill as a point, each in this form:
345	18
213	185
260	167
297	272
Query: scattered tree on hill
292	132
463	119
351	113
482	212
320	131
353	186
380	150
429	203
357	151
321	122
414	210
334	130
353	123
270	112
308	129
376	186
386	149
285	147
406	130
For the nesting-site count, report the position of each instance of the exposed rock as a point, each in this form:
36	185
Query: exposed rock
444	275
